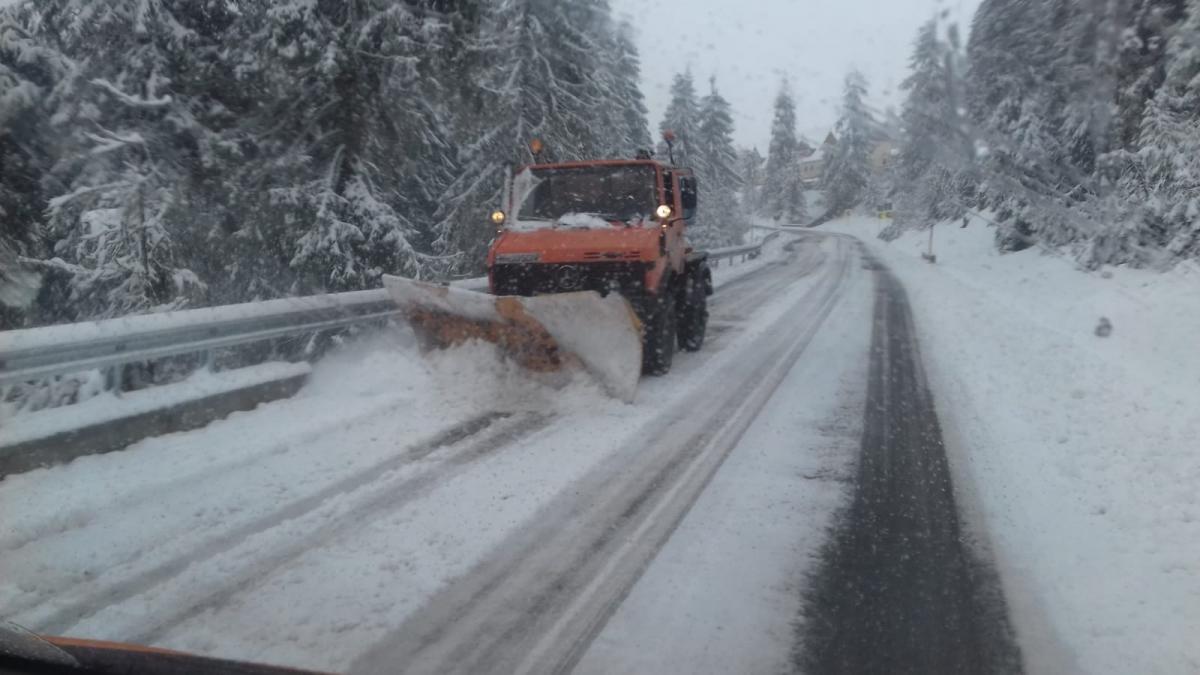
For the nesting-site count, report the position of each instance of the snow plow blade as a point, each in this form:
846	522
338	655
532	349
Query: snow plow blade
543	334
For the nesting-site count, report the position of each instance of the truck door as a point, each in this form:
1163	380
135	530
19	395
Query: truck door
676	243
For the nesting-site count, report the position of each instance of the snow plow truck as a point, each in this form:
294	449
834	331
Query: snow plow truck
590	267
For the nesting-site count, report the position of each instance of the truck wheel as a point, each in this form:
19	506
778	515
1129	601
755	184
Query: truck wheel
658	342
693	314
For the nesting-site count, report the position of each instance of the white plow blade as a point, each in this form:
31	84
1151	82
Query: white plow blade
543	333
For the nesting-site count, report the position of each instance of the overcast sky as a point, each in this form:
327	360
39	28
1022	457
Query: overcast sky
749	45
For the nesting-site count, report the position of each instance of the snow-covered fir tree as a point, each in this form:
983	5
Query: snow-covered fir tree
1005	63
848	170
534	66
134	127
1065	97
722	221
355	152
752	166
935	146
1139	57
1160	180
682	117
29	71
783	189
632	126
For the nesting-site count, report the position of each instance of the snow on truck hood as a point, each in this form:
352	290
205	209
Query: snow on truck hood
573	221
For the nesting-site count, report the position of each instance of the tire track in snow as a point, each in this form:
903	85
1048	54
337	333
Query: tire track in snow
83	517
748	297
897	590
381	501
63	617
537	604
71	604
214	602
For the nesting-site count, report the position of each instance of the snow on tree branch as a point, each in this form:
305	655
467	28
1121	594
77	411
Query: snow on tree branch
130	99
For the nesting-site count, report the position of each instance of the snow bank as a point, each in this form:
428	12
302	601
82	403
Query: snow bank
108	407
1078	452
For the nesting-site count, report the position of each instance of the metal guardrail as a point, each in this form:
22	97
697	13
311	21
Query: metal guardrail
750	251
34	353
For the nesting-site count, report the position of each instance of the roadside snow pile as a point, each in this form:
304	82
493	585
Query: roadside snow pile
107	407
189	496
1078	453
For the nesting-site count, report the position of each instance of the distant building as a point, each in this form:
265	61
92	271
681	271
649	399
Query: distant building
812	165
812	161
883	154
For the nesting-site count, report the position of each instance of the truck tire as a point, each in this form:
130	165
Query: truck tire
659	338
693	311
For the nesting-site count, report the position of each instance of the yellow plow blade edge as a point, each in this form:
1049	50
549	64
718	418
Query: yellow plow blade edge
543	333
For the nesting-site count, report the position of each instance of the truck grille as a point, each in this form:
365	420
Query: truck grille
611	255
628	278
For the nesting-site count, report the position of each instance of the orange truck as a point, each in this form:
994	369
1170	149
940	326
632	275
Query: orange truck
590	265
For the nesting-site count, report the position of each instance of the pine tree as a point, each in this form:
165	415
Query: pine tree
1033	102
783	189
682	118
135	127
633	129
356	150
1162	176
533	63
1086	138
214	151
848	170
29	71
1139	61
934	148
715	160
752	167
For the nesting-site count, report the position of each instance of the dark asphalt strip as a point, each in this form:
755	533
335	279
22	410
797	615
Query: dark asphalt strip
897	589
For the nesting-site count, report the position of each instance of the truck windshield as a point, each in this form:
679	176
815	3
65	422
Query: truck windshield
620	193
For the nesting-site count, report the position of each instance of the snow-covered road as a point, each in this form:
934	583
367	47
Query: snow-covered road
449	511
780	499
1073	455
